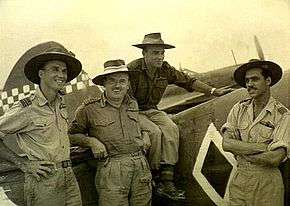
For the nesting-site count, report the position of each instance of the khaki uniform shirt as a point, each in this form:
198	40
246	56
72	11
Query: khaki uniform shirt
270	126
41	130
117	128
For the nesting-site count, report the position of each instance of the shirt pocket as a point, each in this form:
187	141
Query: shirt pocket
158	89
133	115
104	128
44	130
161	84
134	125
42	123
264	133
104	122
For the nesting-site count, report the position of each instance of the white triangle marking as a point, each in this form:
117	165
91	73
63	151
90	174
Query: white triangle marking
213	135
4	200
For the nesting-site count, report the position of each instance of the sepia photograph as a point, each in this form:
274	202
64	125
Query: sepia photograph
145	102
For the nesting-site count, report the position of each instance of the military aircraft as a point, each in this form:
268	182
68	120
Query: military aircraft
203	170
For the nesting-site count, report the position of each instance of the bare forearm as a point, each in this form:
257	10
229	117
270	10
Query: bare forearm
201	87
80	140
239	147
98	148
269	158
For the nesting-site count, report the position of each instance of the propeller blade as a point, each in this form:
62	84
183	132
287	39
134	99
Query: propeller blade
259	48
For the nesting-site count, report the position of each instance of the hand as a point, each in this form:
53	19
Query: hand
98	148
37	168
220	91
146	140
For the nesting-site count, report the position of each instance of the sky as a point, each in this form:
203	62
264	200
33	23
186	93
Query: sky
203	31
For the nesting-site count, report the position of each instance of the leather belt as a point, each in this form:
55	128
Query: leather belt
133	154
63	164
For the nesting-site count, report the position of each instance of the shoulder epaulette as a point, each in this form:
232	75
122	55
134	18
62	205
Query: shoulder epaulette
244	101
61	92
25	102
282	110
62	105
91	100
133	105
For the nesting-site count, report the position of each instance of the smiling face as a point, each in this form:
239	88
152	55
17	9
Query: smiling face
154	56
256	83
117	85
53	75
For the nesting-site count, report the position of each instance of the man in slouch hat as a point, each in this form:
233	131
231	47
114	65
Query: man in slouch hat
148	83
40	123
257	133
110	126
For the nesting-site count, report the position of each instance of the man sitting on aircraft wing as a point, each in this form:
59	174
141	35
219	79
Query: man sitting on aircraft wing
110	126
148	83
40	122
257	133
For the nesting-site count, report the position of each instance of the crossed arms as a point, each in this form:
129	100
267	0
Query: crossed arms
254	152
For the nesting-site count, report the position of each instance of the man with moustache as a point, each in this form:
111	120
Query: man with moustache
148	83
257	133
112	121
40	123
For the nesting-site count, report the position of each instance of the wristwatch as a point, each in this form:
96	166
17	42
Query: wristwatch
212	90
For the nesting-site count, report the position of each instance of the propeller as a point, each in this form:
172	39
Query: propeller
259	48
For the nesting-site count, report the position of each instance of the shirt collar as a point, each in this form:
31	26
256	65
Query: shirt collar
127	100
42	99
270	106
103	100
150	73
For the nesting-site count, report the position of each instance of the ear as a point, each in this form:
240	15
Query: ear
40	73
268	81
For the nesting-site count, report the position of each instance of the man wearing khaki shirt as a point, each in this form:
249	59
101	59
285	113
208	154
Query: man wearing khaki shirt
257	133
112	122
40	122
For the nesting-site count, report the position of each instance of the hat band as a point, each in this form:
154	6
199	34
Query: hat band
115	68
152	41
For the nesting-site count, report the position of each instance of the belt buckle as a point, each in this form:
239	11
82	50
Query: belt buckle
65	164
136	154
133	154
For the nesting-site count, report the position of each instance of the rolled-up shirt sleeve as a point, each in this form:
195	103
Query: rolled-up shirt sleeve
80	122
13	121
179	78
231	125
281	134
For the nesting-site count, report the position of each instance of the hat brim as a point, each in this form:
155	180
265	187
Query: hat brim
98	80
74	66
142	46
275	71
